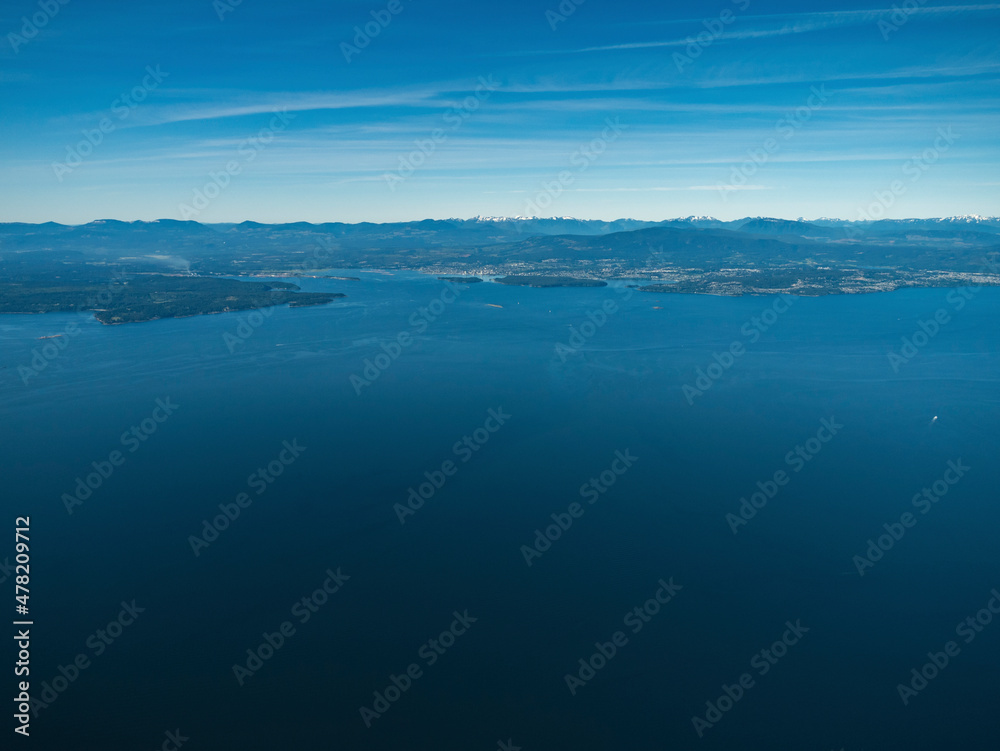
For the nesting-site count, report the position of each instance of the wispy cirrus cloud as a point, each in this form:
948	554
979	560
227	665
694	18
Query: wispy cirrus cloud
292	101
665	188
799	23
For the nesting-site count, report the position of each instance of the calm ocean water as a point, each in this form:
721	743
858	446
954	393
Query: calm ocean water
567	414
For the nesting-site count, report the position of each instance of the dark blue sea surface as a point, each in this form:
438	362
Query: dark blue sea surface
572	399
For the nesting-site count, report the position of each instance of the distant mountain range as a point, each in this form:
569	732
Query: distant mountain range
512	245
521	224
164	267
767	225
194	240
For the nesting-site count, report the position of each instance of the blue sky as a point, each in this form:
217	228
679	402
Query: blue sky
598	110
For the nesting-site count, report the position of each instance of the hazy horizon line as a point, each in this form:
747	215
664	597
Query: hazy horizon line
500	218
